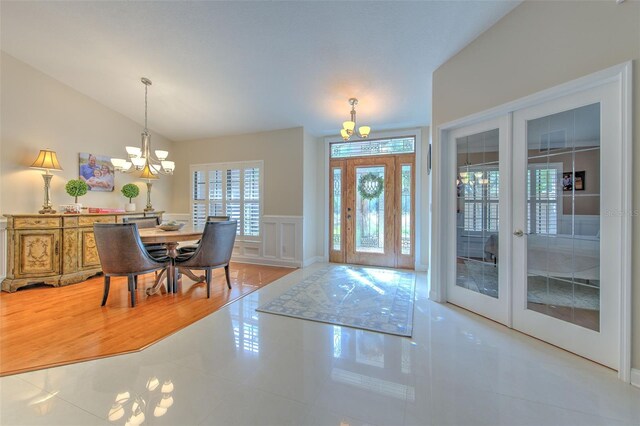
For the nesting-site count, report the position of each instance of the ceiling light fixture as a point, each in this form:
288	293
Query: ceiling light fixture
348	127
142	159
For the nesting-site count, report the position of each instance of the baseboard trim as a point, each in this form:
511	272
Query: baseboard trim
266	262
422	267
312	260
635	377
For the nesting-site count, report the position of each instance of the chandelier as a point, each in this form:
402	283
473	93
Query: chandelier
142	159
348	127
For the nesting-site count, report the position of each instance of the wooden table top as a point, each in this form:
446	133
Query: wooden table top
156	235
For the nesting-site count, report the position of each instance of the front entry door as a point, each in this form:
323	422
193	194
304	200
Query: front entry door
372	208
369	204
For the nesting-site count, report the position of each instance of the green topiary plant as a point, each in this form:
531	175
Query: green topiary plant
130	191
76	188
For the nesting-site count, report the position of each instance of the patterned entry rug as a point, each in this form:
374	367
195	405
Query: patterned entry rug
367	298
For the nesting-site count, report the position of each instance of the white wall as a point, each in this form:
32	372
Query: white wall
536	46
39	112
281	151
311	214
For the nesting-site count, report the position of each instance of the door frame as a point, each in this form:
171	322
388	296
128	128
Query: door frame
620	74
421	206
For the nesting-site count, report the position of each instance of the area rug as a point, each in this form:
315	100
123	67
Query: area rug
367	298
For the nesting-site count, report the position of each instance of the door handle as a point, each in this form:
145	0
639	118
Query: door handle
518	233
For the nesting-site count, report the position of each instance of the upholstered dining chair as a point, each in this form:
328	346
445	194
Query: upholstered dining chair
121	254
154	249
214	251
192	247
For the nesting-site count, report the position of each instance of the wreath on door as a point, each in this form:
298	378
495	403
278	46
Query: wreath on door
370	186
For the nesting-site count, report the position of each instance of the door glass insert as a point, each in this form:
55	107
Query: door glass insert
337	209
370	209
563	216
477	205
405	201
373	147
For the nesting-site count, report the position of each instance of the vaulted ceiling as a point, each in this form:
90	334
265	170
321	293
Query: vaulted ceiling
222	68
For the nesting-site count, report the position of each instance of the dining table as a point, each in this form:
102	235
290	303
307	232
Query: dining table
171	240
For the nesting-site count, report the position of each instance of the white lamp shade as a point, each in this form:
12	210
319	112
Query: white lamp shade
364	131
344	134
168	166
167	387
138	161
349	126
133	151
118	163
162	155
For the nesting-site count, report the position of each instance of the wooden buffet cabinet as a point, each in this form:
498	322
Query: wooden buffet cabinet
55	249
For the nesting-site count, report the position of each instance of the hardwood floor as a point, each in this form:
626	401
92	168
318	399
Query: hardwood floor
46	326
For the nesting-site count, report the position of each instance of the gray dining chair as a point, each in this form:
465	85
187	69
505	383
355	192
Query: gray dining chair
122	253
154	249
192	247
214	251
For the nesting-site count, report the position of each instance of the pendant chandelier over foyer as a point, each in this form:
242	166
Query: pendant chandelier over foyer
348	127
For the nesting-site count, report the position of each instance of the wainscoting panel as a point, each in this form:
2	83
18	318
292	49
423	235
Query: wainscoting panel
270	234
280	244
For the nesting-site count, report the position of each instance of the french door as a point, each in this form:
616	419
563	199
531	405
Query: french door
478	229
566	249
534	233
372	204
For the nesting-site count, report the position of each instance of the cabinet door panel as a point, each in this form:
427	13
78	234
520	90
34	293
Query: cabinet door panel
88	251
38	253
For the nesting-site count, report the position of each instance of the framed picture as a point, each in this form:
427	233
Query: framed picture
571	182
97	171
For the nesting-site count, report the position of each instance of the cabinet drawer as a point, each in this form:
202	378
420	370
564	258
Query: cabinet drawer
36	222
90	220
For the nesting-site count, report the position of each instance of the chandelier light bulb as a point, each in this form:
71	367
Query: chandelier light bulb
349	126
168	166
138	162
133	151
364	131
162	155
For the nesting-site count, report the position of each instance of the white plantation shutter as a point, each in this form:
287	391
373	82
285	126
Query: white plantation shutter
199	198
481	200
233	189
544	198
251	196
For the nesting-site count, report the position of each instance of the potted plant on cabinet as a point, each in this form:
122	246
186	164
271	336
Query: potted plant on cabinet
76	188
130	191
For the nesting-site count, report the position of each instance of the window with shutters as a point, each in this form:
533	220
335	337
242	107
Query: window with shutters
232	189
479	190
544	198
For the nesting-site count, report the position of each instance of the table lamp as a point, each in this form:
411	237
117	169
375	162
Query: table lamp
47	160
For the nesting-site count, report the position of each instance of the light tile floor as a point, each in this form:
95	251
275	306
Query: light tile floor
241	367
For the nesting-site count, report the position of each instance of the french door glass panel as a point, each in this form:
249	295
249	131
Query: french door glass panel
478	197
563	197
